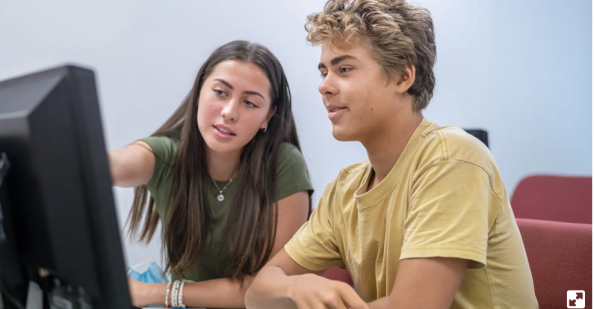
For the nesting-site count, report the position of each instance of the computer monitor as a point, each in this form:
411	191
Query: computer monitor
58	211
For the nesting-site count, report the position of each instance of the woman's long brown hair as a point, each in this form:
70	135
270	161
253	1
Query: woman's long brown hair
251	223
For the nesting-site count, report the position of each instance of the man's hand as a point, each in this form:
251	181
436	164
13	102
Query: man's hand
311	291
282	283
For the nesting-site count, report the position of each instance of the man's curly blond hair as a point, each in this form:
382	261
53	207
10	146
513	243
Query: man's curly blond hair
395	32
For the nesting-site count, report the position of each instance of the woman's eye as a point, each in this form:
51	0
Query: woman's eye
344	70
219	92
250	104
323	75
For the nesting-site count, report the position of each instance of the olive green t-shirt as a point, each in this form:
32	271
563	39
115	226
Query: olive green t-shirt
291	177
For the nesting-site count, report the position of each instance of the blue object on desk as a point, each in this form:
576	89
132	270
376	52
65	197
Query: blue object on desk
154	274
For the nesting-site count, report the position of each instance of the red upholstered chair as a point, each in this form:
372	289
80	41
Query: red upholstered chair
554	198
339	274
560	257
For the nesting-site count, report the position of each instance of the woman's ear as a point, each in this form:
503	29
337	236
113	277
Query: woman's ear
268	117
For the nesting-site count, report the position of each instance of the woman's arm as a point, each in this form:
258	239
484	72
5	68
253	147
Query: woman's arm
216	293
223	292
132	165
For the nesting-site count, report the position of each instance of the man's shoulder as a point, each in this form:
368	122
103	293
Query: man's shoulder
353	172
453	143
348	179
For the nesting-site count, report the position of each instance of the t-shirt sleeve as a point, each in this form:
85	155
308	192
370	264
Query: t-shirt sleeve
165	150
314	245
291	175
449	213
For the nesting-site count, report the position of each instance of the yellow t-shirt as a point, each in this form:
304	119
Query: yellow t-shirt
443	198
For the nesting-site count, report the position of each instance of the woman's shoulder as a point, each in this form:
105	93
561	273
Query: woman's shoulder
287	147
161	142
292	174
164	148
289	154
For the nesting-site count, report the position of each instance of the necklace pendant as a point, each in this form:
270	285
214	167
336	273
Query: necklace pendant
220	197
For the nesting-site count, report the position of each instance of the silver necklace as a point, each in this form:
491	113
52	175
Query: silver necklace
220	197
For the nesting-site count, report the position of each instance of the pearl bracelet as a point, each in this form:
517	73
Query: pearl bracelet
174	293
180	302
167	294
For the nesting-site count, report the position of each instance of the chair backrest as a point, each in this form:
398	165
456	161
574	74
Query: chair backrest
560	257
554	198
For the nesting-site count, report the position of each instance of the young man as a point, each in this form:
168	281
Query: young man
426	222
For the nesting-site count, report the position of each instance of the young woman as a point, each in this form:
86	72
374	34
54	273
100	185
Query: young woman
226	177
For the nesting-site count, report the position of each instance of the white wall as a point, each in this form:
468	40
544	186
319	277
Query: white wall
520	69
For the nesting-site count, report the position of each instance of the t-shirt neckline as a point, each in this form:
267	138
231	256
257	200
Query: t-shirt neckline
372	197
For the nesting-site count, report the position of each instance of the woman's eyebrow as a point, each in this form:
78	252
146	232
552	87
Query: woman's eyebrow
231	87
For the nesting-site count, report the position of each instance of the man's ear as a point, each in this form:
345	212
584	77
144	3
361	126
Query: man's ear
407	79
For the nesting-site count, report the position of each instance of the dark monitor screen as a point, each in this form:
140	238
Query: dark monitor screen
57	192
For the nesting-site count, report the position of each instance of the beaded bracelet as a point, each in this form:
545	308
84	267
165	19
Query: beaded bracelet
167	294
171	299
180	302
174	293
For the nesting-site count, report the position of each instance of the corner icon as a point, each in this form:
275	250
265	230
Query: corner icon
576	299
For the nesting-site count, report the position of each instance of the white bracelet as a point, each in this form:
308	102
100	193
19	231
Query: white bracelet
174	303
167	293
173	295
180	302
